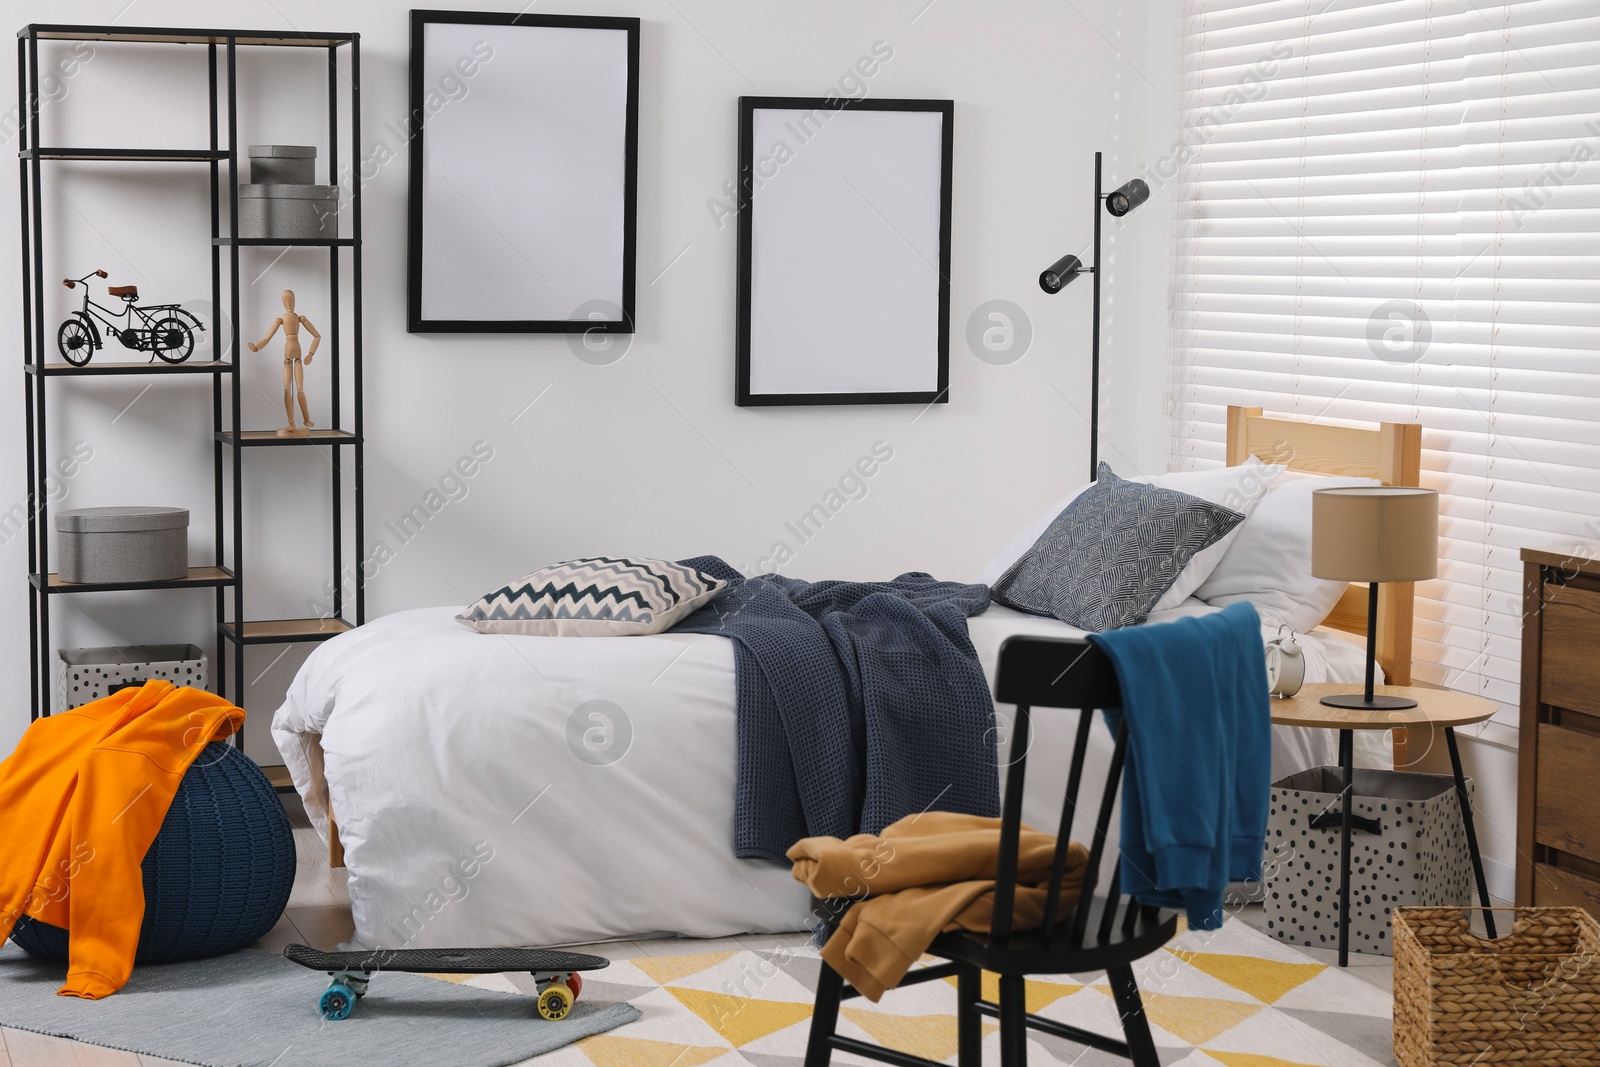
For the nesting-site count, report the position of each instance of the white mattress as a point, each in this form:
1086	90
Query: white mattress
452	760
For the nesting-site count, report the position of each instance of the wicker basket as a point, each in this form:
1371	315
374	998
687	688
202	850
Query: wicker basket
1530	998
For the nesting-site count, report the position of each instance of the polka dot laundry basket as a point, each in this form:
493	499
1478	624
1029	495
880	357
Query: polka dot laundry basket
1418	856
218	874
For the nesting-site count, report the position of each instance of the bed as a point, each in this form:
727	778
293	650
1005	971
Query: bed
500	790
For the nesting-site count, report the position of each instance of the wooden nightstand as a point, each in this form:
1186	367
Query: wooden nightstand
1558	820
1437	709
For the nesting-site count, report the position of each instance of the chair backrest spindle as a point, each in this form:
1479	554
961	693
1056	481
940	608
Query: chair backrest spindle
1010	830
1109	915
1040	672
1097	847
1069	813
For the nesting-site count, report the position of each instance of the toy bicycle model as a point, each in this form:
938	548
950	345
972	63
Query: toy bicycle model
164	330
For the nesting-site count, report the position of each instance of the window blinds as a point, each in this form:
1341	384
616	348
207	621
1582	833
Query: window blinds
1387	209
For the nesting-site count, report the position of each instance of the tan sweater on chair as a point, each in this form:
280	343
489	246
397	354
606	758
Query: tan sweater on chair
923	875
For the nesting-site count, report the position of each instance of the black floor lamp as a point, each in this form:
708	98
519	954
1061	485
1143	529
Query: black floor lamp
1059	275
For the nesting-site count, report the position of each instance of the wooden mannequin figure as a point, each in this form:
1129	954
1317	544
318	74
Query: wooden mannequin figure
293	365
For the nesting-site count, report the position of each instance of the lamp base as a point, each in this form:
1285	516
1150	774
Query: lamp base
1359	702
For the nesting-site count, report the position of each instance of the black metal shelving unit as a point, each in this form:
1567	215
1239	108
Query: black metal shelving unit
343	345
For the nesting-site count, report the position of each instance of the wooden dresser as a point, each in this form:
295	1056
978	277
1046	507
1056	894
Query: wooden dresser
1558	797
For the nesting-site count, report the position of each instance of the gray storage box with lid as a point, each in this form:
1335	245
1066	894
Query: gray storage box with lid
97	546
289	211
85	674
281	202
283	164
1418	857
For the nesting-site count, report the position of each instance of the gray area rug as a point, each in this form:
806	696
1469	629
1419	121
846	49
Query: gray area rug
254	1008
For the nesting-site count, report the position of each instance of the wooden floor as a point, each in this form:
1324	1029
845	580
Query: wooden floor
319	915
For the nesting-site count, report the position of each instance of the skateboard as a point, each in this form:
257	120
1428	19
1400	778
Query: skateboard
556	973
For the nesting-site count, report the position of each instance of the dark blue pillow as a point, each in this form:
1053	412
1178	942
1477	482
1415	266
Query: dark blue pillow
1111	553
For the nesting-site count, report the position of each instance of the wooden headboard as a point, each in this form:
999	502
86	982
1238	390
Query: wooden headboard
1392	453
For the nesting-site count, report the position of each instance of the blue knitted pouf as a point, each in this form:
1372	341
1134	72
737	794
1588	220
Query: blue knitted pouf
217	876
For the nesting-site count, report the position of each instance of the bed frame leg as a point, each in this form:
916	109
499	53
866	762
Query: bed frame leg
335	848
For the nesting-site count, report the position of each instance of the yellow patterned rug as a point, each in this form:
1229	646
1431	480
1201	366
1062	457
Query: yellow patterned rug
1229	998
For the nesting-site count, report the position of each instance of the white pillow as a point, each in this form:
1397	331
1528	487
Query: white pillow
1024	538
1268	562
1240	488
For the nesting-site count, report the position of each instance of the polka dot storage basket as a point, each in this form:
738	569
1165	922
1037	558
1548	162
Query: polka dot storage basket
85	674
1407	848
217	876
1530	998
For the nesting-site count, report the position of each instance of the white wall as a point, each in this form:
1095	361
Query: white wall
648	454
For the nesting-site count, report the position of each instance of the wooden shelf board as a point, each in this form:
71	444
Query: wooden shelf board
67	370
286	242
287	631
153	35
127	155
270	438
197	577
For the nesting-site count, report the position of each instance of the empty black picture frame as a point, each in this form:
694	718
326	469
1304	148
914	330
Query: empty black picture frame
429	98
862	225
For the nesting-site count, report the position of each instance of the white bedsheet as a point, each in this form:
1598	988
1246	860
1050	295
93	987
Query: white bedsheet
452	761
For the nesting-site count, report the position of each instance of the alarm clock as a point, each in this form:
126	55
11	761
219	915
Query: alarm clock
1286	664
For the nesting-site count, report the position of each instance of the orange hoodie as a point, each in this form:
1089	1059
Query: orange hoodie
81	799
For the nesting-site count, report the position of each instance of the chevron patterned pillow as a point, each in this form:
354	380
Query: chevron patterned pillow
1110	555
599	596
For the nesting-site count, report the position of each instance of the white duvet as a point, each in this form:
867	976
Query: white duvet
502	791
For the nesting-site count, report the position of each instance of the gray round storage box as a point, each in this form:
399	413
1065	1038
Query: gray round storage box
97	546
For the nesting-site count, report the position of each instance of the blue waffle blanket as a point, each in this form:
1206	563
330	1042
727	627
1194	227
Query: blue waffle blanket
858	703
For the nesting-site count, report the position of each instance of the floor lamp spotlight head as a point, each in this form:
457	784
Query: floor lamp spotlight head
1126	198
1058	275
1373	534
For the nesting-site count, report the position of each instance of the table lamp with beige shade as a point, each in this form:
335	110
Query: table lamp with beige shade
1373	534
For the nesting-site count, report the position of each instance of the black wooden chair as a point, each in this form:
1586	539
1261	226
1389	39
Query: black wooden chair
1100	931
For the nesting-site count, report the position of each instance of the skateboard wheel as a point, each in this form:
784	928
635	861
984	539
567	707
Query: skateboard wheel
337	1002
575	983
555	1002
